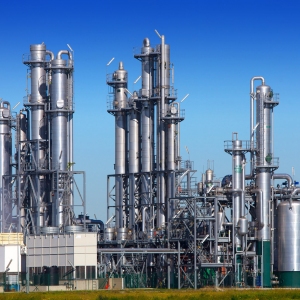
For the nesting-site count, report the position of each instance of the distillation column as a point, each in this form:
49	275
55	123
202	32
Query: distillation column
146	129
240	223
119	84
5	167
60	132
164	84
22	135
263	169
134	118
38	131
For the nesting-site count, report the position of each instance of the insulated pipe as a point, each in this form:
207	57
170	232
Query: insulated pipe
261	208
61	52
216	227
133	157
171	168
284	176
161	215
177	157
144	219
252	118
51	54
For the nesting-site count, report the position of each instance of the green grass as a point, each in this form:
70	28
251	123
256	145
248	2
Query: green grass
155	294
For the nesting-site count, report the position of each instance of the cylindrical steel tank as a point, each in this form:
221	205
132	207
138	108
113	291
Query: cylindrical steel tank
73	228
59	96
5	166
109	234
220	221
209	177
49	230
289	236
242	226
122	234
289	243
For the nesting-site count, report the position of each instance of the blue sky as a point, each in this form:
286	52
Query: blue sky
216	47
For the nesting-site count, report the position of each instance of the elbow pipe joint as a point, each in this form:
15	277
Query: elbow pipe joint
61	52
284	176
51	54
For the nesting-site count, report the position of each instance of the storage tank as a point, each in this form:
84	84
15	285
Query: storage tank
289	244
51	276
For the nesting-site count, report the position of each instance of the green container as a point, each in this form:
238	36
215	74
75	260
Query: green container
264	261
289	279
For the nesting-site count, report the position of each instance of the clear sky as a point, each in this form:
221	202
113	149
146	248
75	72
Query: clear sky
217	46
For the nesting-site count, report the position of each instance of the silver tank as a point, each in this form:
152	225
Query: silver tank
242	226
264	128
38	128
122	233
49	230
109	234
120	102
237	184
61	142
59	96
209	177
5	166
264	146
220	221
289	236
147	69
73	228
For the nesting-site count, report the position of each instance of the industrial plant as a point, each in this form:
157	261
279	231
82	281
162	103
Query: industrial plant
164	228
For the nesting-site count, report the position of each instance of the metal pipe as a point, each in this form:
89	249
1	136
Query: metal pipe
252	119
144	219
261	208
283	176
61	52
50	53
161	215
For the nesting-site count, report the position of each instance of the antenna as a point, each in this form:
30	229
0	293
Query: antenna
16	105
157	33
128	92
184	97
110	61
70	47
137	79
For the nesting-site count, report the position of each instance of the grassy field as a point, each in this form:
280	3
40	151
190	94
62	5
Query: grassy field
159	294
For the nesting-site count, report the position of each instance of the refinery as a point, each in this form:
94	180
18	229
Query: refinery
166	226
